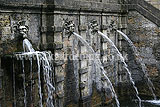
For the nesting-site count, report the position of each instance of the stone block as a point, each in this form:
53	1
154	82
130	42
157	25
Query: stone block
48	46
6	30
59	46
83	71
58	62
82	28
104	52
58	29
83	49
59	79
82	85
83	63
104	27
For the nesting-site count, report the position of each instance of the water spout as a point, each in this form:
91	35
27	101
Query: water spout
44	59
99	65
139	59
124	65
69	27
119	54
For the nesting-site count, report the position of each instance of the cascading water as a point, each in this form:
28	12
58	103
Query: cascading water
44	59
27	47
139	59
99	65
124	65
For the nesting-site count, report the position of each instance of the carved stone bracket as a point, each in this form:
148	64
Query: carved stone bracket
21	28
69	26
93	26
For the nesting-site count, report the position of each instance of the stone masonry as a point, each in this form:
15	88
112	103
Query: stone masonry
77	82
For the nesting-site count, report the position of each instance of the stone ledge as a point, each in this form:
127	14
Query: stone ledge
74	6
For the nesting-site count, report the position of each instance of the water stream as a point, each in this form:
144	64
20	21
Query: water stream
139	59
99	65
44	60
31	73
24	84
124	65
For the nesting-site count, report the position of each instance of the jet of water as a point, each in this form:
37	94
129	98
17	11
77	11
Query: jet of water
124	64
99	65
139	59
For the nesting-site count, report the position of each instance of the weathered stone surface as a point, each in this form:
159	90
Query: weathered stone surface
74	78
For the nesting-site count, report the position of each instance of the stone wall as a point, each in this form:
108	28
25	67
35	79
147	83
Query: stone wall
145	36
73	78
77	82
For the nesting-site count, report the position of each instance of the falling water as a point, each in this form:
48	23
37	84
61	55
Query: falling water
47	77
44	59
99	64
124	65
139	59
27	46
39	81
24	84
31	73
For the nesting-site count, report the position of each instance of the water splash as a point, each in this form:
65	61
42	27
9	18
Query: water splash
99	65
155	102
124	65
139	59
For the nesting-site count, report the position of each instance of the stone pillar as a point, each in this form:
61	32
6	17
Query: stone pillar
122	45
108	53
85	68
88	74
66	68
59	64
1	84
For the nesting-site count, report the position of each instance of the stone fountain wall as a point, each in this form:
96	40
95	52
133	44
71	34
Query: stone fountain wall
145	36
74	86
